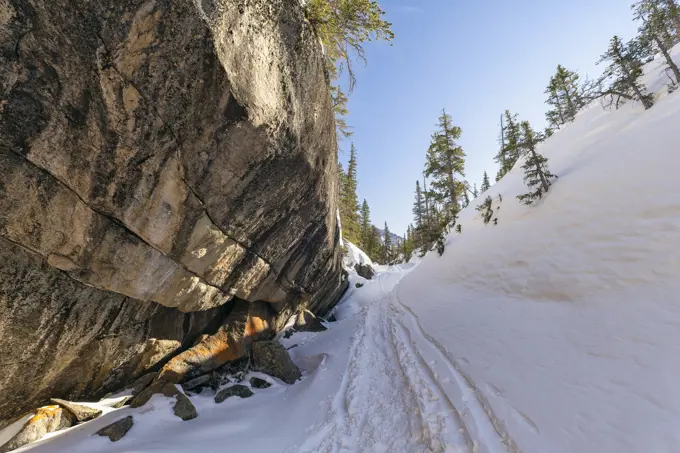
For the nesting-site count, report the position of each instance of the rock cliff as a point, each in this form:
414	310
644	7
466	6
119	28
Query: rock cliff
161	162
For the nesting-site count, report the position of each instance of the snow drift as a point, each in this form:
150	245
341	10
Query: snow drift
566	314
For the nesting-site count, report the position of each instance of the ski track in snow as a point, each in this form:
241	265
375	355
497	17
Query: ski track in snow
402	393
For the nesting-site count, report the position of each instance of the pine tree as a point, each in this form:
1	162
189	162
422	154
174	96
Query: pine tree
366	227
419	217
623	72
407	244
339	99
388	252
466	198
475	193
564	95
668	16
342	184
673	12
343	26
654	34
428	219
445	162
374	248
510	138
486	209
349	204
486	185
536	173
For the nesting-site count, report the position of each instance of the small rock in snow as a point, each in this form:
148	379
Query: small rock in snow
184	408
122	402
199	382
271	358
234	390
308	322
364	270
116	430
259	383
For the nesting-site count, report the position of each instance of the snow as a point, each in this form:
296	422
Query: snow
565	315
354	256
557	330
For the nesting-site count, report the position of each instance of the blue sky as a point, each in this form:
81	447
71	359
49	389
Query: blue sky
475	58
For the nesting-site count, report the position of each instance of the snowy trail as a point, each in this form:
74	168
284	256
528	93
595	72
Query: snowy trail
400	391
374	383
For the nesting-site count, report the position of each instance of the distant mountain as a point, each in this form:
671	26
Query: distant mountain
393	236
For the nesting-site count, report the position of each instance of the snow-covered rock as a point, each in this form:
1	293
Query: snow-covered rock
357	260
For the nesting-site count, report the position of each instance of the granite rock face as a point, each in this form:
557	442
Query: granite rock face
159	160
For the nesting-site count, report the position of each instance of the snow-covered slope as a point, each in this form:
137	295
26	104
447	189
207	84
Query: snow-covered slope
566	315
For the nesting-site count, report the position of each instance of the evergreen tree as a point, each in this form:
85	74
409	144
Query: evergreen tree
419	217
407	244
445	162
342	183
388	252
366	227
668	17
343	26
374	246
510	138
466	198
623	72
536	173
349	204
486	209
475	193
339	99
564	95
428	219
654	34
486	185
673	12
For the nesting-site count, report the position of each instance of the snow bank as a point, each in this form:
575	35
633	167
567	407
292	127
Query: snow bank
566	315
355	256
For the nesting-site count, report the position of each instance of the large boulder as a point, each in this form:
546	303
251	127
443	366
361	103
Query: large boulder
159	158
45	420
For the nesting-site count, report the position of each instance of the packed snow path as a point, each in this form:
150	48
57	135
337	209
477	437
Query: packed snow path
374	382
401	392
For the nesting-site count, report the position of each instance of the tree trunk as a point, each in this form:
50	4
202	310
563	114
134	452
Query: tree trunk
632	84
667	56
559	112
